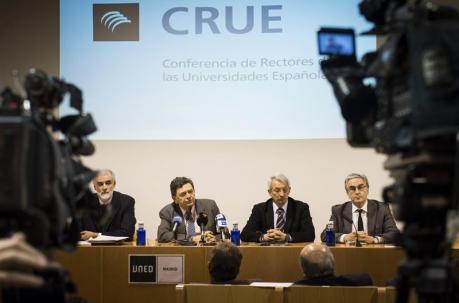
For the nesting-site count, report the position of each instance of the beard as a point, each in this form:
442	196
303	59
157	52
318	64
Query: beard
105	196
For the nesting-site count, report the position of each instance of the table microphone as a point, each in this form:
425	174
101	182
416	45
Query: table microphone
176	221
222	225
357	242
202	221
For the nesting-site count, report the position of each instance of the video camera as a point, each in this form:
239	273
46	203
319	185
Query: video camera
403	100
42	181
416	71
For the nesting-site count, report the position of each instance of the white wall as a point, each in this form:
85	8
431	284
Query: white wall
235	173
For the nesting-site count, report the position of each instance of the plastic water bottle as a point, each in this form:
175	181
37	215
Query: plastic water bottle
235	235
330	234
141	235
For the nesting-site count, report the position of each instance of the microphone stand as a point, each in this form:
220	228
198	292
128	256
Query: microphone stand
357	242
222	232
202	233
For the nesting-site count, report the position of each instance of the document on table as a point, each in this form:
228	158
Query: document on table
271	284
102	239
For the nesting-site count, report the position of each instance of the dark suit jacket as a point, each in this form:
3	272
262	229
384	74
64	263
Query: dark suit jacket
121	222
298	223
380	220
171	210
362	279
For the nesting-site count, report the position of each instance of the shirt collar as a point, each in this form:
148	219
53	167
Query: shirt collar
106	203
364	207
284	207
193	210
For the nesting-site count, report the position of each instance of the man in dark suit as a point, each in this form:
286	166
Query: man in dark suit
318	265
373	219
279	219
188	208
112	212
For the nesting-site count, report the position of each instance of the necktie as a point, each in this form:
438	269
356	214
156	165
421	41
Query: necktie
280	222
190	230
360	221
103	217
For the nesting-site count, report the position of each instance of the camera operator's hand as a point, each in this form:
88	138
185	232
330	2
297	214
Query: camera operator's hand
86	235
17	260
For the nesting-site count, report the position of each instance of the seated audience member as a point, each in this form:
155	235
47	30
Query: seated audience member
373	219
188	208
113	212
224	264
281	218
318	265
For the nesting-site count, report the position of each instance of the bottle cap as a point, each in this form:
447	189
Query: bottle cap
235	225
140	224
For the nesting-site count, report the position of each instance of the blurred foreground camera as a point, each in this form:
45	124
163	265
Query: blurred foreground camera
41	179
43	184
403	100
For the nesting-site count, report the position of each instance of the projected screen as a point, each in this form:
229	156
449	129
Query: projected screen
204	69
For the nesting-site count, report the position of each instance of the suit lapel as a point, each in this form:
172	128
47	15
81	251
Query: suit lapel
290	213
371	217
269	214
348	213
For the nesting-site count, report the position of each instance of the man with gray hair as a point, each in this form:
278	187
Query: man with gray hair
281	218
112	212
318	265
368	220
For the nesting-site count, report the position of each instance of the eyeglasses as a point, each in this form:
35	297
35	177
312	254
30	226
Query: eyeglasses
355	188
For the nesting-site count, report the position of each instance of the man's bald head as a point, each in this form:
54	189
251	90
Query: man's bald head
317	261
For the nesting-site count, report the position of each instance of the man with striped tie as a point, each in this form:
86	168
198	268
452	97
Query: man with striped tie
281	218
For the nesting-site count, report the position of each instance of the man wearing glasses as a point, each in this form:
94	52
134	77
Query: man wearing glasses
369	220
112	213
279	219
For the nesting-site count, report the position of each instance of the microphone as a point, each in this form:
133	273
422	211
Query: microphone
202	221
357	242
222	225
176	221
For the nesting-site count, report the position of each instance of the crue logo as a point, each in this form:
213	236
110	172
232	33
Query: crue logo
116	22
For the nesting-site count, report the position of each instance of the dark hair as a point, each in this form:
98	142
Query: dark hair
179	182
225	262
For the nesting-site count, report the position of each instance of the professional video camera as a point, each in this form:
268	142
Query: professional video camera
42	181
410	111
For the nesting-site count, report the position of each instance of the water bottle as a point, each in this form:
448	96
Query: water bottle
141	235
330	234
235	235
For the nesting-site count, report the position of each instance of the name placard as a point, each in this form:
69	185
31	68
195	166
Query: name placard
156	269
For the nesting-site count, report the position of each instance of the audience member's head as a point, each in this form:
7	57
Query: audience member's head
317	261
224	262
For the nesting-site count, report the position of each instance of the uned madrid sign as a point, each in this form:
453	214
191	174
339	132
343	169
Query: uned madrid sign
156	269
